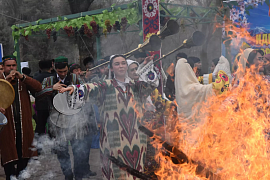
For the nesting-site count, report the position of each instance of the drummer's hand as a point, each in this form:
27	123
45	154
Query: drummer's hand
70	88
58	86
2	110
148	59
11	76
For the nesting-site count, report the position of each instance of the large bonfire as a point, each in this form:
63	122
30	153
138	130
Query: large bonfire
228	141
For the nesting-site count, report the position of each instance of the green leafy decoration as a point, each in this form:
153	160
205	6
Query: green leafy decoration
27	33
38	21
115	15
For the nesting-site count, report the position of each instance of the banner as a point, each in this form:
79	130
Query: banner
1	52
24	64
255	16
151	25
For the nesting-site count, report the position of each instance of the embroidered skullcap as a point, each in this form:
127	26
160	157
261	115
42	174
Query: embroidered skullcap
61	59
6	58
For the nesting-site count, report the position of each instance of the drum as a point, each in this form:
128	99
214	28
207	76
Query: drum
7	94
3	121
60	102
6	99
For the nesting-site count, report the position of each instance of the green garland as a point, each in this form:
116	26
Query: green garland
131	14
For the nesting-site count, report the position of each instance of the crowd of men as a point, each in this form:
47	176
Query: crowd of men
120	92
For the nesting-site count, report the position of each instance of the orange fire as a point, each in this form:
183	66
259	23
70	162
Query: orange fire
170	70
227	137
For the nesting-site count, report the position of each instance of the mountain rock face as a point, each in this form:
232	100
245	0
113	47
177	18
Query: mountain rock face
258	30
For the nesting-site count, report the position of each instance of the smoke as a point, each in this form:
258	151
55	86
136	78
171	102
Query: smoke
37	167
81	126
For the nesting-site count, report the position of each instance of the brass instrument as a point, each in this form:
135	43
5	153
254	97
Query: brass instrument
151	44
170	28
197	39
154	44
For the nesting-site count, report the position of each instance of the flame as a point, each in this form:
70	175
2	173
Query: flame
170	70
226	139
229	139
237	33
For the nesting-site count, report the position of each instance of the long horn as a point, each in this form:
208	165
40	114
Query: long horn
197	39
151	44
170	28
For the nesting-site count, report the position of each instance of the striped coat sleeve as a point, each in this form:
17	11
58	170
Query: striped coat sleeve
47	87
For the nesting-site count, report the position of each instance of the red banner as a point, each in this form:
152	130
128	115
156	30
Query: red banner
151	25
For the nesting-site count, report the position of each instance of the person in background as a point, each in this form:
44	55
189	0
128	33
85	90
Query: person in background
42	104
132	69
220	64
251	61
197	65
214	64
89	62
117	98
53	68
256	58
75	69
1	68
17	136
140	57
67	128
102	71
170	87
26	71
45	67
101	75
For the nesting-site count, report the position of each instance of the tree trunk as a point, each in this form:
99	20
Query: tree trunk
207	30
84	43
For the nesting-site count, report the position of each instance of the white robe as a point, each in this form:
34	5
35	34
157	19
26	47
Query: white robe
190	94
